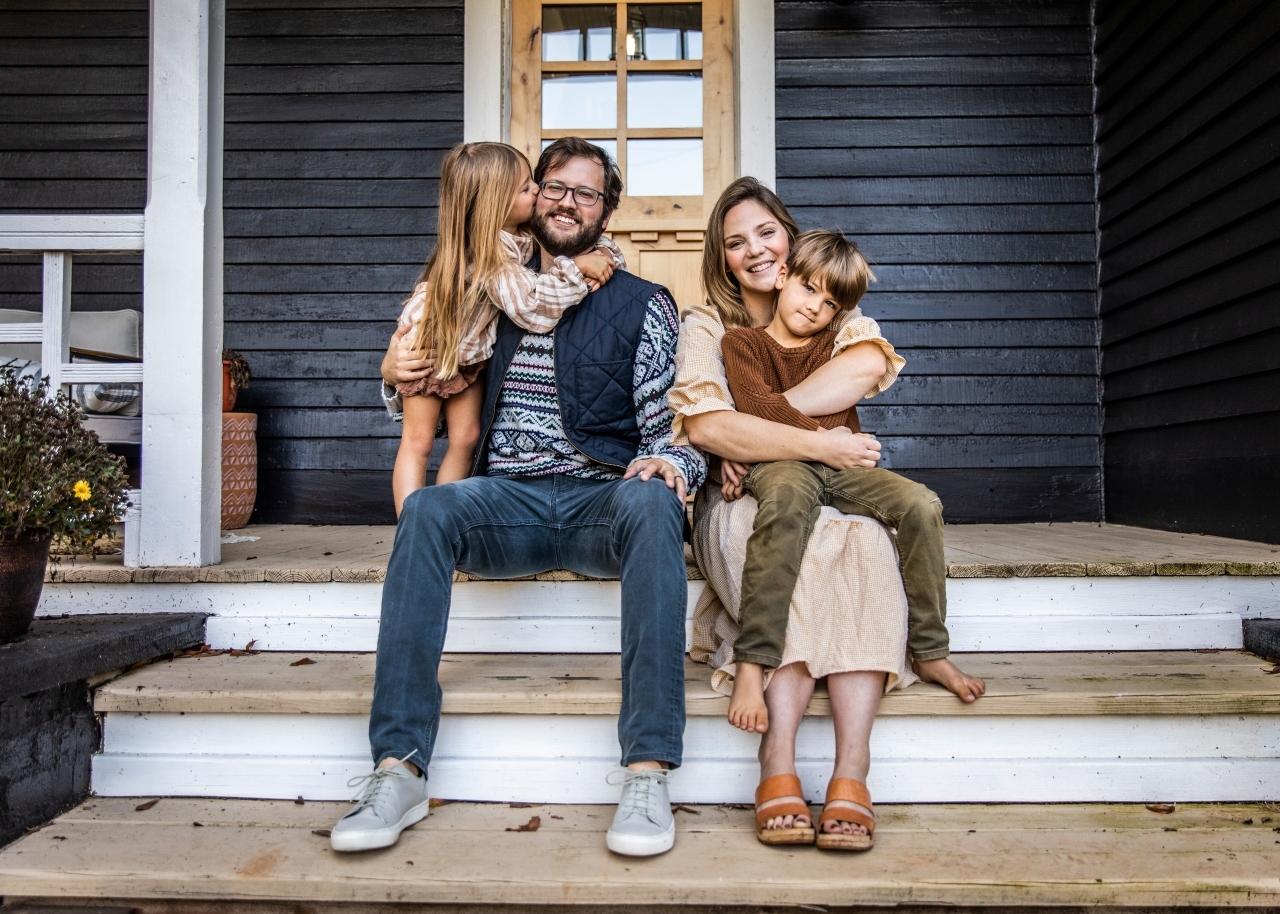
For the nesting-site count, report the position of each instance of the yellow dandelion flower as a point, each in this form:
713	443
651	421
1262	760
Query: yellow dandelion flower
81	490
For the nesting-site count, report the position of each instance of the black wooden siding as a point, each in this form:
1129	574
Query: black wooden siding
337	116
73	134
1189	178
954	142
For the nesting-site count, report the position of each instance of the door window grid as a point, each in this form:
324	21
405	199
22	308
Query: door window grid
631	39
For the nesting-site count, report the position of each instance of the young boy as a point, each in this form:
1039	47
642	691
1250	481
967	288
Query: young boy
824	275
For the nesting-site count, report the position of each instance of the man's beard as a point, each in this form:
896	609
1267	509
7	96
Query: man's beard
581	241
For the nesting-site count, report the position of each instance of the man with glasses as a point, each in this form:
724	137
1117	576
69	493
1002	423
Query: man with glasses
575	470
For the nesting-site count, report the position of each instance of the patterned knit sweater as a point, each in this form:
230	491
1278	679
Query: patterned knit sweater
528	438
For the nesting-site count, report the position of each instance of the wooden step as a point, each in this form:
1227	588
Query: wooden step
1052	728
189	852
1014	587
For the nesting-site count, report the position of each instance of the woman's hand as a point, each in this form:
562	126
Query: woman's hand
729	490
841	449
596	268
403	363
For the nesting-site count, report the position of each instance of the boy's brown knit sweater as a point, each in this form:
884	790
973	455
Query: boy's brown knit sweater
759	371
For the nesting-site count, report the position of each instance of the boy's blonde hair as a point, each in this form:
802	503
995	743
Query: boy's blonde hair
834	261
477	184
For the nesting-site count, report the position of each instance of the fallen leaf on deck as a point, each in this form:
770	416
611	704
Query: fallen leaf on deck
532	825
554	816
522	805
680	807
1274	669
198	824
436	802
1162	808
249	646
322	832
305	661
143	807
300	802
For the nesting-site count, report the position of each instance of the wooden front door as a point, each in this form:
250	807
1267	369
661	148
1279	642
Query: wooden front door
651	83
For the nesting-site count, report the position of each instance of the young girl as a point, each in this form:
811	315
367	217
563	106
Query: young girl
486	195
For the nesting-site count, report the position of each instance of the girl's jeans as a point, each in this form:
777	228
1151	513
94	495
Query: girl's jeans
506	527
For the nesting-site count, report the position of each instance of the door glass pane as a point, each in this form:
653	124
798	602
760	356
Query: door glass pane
609	146
579	102
660	168
664	31
664	100
578	32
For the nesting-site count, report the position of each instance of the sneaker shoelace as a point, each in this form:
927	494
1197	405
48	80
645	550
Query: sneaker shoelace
639	791
372	785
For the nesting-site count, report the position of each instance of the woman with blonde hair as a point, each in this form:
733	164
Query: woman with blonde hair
848	619
476	271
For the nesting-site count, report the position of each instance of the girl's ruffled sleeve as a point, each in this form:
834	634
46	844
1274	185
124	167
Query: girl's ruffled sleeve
855	328
700	385
536	301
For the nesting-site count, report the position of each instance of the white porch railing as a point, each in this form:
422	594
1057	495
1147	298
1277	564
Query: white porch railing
58	237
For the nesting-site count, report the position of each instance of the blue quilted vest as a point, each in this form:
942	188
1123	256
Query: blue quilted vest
595	351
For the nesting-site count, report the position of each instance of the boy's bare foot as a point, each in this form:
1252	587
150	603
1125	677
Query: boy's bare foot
946	674
747	710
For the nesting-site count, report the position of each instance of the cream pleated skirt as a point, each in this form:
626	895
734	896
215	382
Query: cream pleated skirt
848	612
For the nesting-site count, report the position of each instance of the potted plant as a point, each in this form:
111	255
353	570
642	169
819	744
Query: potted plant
59	480
235	378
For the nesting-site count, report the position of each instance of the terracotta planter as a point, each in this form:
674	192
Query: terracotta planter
22	563
239	468
229	389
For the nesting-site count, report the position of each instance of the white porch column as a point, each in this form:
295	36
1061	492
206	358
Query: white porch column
485	70
182	287
754	63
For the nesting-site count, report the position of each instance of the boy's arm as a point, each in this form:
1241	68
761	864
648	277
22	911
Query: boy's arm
751	393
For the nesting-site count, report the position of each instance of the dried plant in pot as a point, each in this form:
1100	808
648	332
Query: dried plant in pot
58	480
235	378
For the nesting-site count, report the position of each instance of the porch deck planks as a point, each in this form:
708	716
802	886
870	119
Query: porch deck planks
359	554
1055	684
236	850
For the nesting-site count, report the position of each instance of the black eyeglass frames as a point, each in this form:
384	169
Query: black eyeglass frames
582	195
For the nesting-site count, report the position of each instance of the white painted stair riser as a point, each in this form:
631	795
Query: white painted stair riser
565	758
984	614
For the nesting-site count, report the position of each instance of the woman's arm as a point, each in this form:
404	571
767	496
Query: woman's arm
749	439
840	383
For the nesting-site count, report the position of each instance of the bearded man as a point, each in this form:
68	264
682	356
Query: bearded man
575	469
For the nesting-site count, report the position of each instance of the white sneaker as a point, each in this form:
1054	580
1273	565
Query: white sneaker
392	799
643	825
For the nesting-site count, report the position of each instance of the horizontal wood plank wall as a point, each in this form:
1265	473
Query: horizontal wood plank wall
1189	178
337	117
954	142
73	134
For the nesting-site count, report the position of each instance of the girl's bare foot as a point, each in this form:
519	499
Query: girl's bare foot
747	710
955	680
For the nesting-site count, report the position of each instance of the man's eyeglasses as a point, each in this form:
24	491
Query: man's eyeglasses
583	196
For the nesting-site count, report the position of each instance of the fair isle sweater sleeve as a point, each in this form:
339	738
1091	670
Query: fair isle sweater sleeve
654	372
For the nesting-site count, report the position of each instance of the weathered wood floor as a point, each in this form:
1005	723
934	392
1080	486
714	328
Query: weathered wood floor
313	554
954	855
1086	683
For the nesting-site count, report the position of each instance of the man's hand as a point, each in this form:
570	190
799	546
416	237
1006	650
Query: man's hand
648	467
403	363
841	449
596	268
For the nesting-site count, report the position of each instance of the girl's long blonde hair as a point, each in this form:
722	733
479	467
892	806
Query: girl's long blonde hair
477	184
718	284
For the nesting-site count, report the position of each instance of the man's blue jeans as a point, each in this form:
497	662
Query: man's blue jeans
505	527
